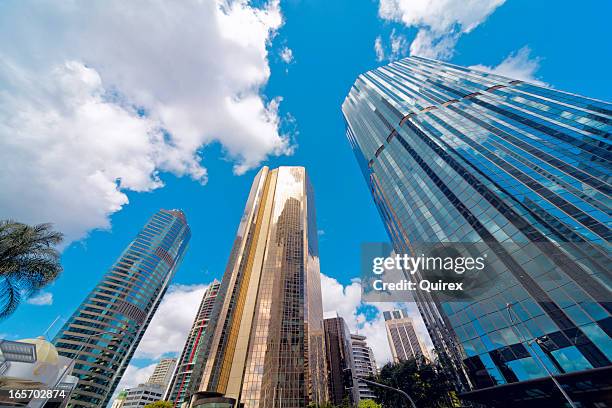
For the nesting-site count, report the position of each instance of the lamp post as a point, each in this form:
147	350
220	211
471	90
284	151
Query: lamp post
548	372
404	394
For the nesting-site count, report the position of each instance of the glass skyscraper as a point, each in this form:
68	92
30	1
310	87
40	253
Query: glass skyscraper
105	330
182	376
265	343
452	154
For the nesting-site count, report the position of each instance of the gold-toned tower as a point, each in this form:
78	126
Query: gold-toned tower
265	347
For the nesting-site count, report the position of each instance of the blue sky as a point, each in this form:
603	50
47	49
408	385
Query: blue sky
561	43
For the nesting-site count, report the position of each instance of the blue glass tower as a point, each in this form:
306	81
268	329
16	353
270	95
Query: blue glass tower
456	155
104	332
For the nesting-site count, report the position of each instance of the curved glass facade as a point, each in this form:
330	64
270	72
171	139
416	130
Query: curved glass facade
104	332
456	155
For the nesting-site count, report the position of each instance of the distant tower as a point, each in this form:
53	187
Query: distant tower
104	332
342	381
182	375
163	372
365	364
265	344
404	342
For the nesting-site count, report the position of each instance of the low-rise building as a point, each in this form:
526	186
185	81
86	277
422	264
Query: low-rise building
32	373
143	394
118	402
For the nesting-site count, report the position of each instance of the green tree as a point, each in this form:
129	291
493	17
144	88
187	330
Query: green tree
28	261
328	405
426	384
159	404
368	403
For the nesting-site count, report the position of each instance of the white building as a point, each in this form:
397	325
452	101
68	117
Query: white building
143	394
365	364
120	400
34	364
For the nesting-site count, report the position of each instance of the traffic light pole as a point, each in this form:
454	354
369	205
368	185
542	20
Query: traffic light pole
412	404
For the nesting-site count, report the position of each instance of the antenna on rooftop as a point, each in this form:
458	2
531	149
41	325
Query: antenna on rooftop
51	325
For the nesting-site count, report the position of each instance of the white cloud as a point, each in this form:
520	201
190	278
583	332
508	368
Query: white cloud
429	45
286	55
133	376
345	301
517	65
440	22
41	299
378	48
340	299
98	98
172	321
398	47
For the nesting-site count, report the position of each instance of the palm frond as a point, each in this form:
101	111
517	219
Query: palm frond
10	297
28	261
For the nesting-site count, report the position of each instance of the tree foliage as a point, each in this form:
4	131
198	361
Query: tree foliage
345	404
368	403
28	261
159	404
324	405
426	384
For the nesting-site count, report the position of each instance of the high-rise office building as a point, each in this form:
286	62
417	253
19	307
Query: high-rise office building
265	342
404	342
452	154
162	374
341	374
365	364
182	375
103	333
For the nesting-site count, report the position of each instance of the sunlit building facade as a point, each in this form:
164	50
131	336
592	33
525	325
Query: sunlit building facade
403	339
163	372
104	332
265	342
182	375
452	154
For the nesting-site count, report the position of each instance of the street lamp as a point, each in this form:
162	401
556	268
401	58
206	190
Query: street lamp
529	342
15	351
18	351
405	394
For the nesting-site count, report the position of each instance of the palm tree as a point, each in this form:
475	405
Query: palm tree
28	261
